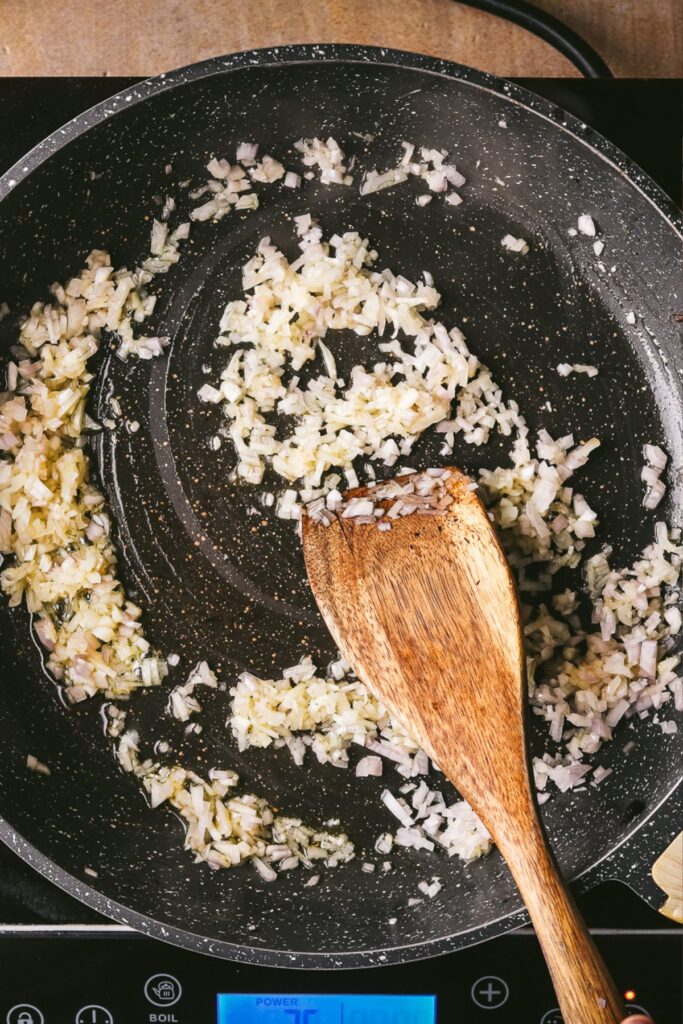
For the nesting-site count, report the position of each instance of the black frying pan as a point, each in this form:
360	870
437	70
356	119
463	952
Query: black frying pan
213	588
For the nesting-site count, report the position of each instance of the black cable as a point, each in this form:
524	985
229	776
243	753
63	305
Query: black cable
549	28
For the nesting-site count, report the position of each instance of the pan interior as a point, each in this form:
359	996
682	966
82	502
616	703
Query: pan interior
222	581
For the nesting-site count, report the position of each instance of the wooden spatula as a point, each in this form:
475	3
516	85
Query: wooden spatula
427	615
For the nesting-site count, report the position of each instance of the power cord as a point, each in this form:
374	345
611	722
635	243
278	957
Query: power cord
550	29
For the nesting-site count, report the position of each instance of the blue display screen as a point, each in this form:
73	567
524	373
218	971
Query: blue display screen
324	1009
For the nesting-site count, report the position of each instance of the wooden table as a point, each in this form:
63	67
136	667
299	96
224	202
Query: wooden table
638	38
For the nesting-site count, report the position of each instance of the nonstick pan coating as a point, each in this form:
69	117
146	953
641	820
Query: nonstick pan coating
216	583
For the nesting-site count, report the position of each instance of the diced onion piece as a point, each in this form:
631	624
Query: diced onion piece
34	765
513	244
369	766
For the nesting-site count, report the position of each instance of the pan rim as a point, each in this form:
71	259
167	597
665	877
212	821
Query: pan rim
325	54
346	53
293	960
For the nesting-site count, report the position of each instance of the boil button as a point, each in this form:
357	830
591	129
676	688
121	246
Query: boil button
163	990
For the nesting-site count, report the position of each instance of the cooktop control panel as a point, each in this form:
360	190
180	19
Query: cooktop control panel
115	977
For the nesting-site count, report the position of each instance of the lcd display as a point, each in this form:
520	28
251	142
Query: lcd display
325	1009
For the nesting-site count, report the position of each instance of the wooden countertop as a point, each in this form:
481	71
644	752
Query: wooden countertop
637	38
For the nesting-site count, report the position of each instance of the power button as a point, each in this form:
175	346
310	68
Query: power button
93	1014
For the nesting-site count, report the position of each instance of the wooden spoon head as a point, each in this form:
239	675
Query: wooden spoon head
427	615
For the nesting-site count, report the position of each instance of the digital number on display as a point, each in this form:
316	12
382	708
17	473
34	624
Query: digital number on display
325	1009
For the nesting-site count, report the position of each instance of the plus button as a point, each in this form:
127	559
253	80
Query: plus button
490	992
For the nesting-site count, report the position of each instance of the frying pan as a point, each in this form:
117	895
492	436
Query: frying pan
217	584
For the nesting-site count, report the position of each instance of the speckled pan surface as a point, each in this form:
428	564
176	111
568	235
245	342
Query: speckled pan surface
219	583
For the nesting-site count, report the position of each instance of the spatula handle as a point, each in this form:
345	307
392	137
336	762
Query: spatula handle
585	990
